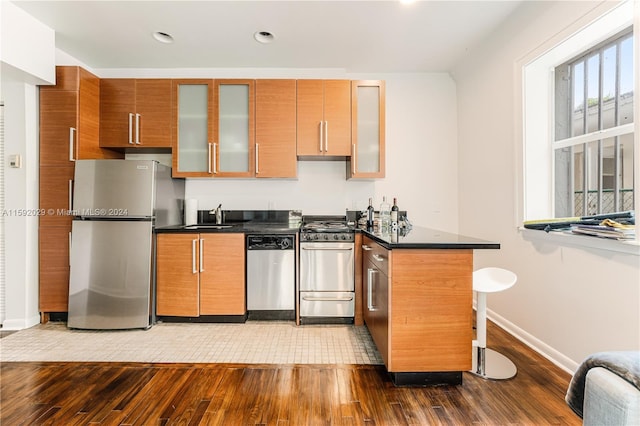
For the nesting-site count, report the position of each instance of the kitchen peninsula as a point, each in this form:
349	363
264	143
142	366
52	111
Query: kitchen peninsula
417	302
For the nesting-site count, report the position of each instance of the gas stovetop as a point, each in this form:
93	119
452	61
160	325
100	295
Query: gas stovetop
326	228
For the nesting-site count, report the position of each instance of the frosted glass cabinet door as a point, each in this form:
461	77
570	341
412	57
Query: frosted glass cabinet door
368	129
192	121
234	148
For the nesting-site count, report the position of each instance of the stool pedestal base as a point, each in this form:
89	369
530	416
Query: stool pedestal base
496	365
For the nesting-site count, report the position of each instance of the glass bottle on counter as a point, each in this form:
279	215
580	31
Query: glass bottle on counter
394	215
370	214
385	216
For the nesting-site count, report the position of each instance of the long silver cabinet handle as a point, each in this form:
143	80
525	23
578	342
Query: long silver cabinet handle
321	135
194	267
327	299
327	248
326	136
215	158
353	158
137	129
257	161
69	248
209	157
201	255
72	132
366	247
370	273
131	128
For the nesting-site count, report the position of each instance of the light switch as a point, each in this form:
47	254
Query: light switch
15	161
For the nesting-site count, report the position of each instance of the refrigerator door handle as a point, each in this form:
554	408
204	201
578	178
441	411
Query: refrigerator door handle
69	248
201	254
194	266
70	195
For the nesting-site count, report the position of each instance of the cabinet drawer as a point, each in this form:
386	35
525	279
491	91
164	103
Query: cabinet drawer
376	254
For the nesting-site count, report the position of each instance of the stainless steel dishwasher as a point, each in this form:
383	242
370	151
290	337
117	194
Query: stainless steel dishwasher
271	277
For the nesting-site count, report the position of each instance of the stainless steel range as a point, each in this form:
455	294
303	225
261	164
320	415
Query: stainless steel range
327	288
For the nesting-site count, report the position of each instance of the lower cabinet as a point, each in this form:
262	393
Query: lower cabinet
418	307
200	274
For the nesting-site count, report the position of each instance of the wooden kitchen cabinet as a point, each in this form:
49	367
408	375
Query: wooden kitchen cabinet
215	128
427	311
367	158
135	113
200	274
324	118
69	130
275	151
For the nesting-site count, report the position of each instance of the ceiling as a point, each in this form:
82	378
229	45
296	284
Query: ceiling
357	36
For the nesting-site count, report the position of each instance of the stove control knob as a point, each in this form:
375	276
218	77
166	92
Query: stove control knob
344	237
336	237
315	236
326	237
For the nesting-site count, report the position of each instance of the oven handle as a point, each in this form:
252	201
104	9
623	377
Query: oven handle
327	248
327	299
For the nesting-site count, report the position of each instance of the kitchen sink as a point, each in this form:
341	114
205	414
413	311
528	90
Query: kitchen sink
207	226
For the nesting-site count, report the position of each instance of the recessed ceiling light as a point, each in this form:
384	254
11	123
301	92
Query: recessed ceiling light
163	37
264	37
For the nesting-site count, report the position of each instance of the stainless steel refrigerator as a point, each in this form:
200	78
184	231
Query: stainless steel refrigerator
116	205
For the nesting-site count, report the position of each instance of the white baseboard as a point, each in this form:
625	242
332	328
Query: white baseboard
534	343
20	323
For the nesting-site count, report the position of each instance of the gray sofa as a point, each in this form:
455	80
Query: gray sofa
605	390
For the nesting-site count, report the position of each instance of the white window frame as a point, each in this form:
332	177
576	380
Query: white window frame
536	71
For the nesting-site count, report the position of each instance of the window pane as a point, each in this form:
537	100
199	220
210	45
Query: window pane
578	179
626	81
593	93
563	193
609	176
577	84
593	178
626	172
609	66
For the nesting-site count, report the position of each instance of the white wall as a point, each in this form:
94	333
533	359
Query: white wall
27	51
569	301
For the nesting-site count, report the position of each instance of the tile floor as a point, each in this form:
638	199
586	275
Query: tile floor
254	342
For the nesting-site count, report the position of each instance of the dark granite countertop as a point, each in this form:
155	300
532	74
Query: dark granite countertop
426	238
233	227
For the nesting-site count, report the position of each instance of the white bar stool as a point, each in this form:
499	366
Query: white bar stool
488	363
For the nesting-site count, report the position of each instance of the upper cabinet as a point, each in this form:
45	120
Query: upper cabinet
367	130
214	128
69	118
324	118
275	148
135	113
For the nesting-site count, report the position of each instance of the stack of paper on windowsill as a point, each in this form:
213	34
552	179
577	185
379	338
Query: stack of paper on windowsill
606	229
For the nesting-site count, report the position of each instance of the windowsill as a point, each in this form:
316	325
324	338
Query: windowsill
568	239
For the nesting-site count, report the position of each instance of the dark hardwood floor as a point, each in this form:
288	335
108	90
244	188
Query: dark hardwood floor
34	393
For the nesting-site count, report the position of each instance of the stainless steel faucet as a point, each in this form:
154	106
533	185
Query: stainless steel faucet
218	213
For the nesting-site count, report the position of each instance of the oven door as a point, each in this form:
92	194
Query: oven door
326	266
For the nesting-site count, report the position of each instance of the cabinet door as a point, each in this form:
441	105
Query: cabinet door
56	189
177	279
58	127
54	268
222	274
234	128
368	129
337	117
153	113
117	112
193	128
324	117
276	129
310	117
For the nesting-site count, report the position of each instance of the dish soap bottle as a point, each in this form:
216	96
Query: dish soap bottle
385	216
